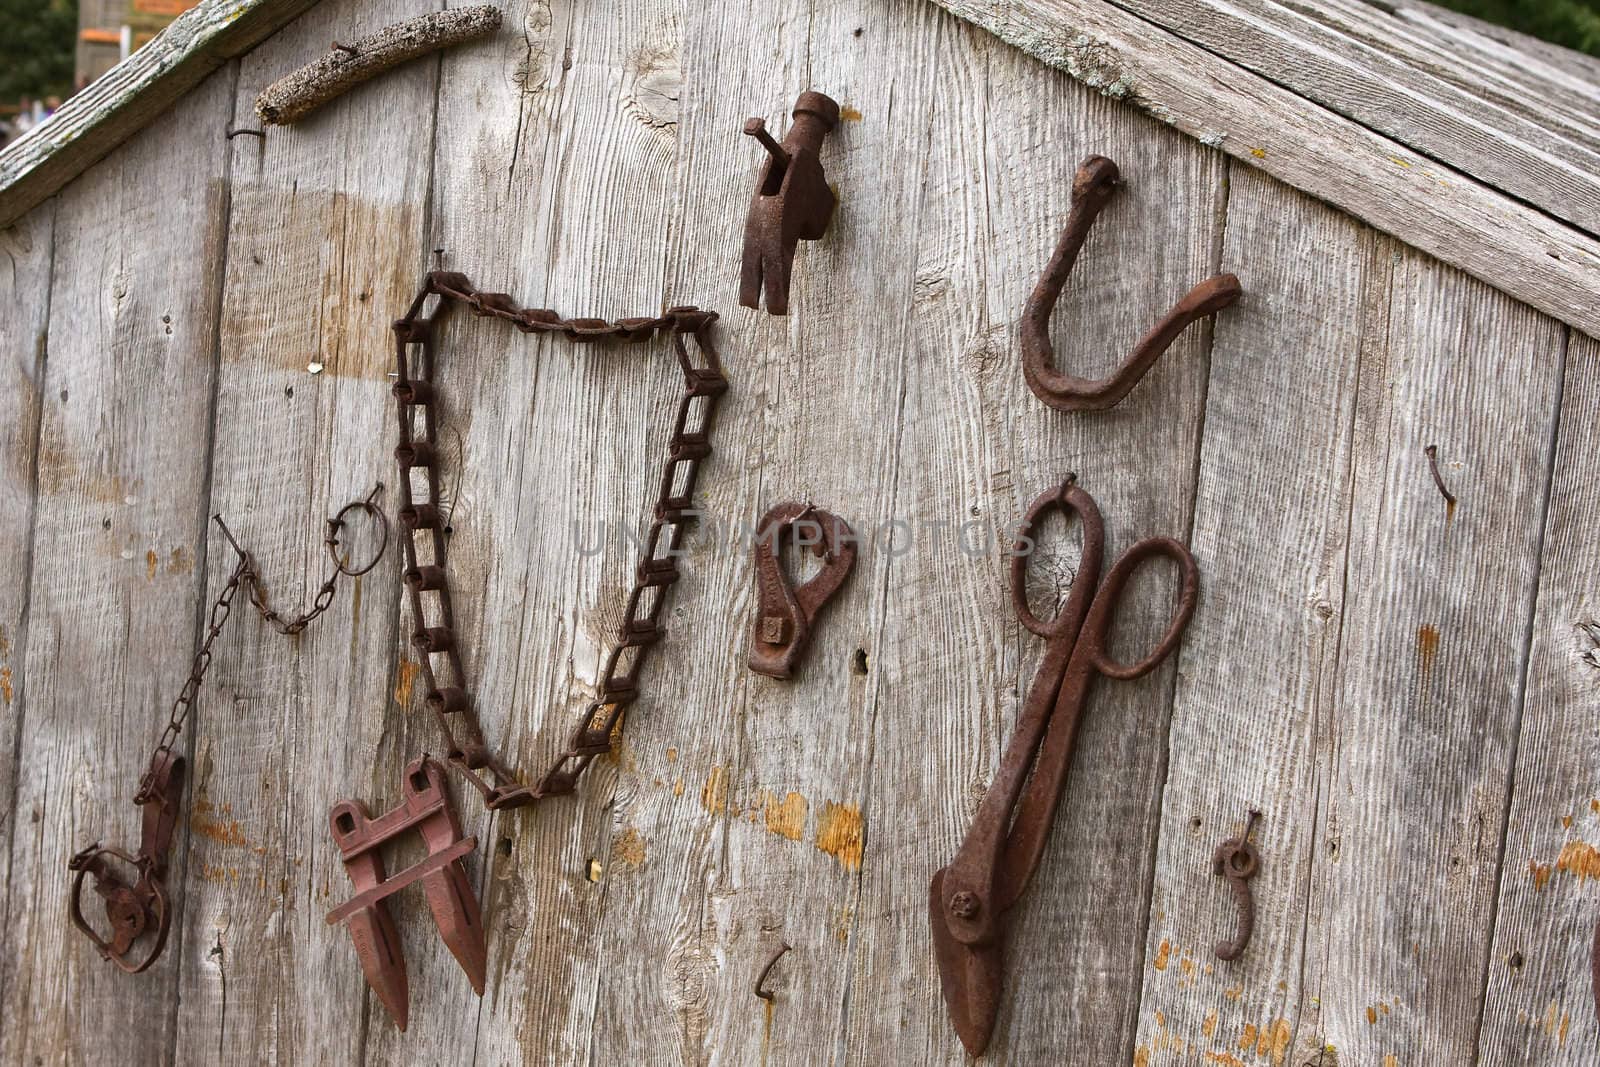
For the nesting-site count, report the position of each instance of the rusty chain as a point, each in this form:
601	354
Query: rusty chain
244	573
415	389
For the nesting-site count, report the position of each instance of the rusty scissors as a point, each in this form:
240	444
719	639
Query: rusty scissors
968	899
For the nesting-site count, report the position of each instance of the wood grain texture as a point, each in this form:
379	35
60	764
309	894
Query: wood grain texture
1415	760
1539	1005
1259	667
1519	250
28	247
1356	667
115	577
132	94
1304	48
325	231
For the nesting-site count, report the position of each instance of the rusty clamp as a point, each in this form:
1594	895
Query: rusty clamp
140	907
1092	186
785	616
793	202
426	808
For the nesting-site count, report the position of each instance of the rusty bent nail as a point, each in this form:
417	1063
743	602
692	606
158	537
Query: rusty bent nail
761	989
1092	187
1236	860
793	202
785	615
426	808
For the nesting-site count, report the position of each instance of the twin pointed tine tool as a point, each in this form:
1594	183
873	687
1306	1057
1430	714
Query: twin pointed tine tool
426	809
969	899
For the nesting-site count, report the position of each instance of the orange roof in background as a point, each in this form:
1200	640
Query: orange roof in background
163	7
93	36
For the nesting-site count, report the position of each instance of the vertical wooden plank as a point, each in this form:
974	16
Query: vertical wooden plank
28	247
1007	136
1416	756
325	233
1271	518
1539	1005
122	477
554	182
749	799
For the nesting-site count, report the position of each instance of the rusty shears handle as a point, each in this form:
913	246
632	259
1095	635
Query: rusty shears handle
1092	186
139	907
785	615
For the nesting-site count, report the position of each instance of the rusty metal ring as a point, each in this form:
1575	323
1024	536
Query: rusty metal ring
337	522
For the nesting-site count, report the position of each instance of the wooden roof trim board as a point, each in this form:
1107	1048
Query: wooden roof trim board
1498	210
120	104
1437	209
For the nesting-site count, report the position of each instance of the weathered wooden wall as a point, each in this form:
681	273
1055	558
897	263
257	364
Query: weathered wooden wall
1405	691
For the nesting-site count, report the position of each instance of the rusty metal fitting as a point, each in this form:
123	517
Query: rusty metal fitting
792	203
785	615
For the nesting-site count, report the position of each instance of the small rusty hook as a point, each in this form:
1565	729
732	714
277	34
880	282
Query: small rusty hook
761	989
1237	860
793	202
1092	186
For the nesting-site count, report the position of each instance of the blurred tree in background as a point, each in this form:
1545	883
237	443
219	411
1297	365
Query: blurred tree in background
38	42
1573	23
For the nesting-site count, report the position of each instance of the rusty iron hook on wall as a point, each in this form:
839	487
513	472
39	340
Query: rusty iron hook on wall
1092	186
1237	860
793	202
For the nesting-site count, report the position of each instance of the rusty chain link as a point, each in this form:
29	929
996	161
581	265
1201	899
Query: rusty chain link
435	635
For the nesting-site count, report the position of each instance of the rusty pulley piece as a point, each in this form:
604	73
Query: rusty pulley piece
426	578
969	899
138	908
1237	860
426	809
786	615
792	203
1092	187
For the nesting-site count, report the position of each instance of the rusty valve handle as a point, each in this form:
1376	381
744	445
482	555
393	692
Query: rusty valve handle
141	907
1236	860
1092	186
792	204
786	615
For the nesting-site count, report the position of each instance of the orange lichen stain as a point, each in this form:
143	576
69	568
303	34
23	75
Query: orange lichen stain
619	753
1391	1060
1141	1057
1187	966
1163	954
1259	153
1385	1008
6	691
840	833
1209	1027
786	817
714	794
1233	992
1566	1021
672	755
1579	859
1227	1059
402	686
846	914
1594	802
1372	1015
628	848
849	114
224	834
219	875
1275	1040
1427	645
1566	822
677	788
1248	1037
150	565
1161	1021
1399	162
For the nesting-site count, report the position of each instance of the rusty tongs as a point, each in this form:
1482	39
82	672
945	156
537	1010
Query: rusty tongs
999	854
138	907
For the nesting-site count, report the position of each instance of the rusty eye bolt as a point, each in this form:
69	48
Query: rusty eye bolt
793	202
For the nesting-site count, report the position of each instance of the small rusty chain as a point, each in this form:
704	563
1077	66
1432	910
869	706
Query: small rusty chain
244	573
415	390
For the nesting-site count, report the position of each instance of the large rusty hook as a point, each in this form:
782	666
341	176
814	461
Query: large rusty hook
1092	186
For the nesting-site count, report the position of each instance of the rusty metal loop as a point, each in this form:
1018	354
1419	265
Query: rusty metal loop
1092	187
1097	628
1069	498
336	523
